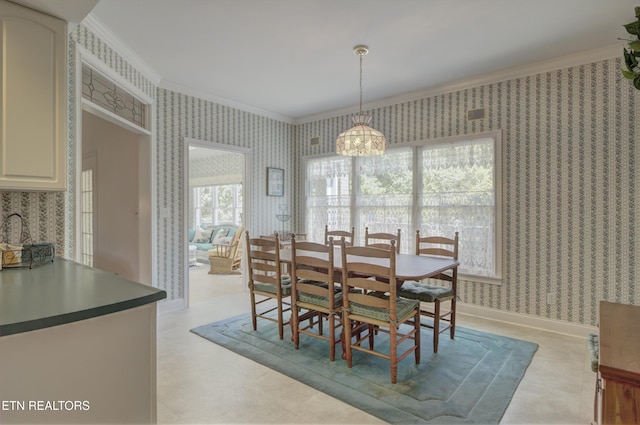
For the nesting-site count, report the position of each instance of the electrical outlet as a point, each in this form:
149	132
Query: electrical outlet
551	298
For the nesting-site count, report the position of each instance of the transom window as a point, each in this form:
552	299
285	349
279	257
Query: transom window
101	91
440	187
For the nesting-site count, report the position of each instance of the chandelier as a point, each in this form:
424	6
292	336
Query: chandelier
361	140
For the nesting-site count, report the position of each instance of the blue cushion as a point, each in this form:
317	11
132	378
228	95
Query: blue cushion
202	246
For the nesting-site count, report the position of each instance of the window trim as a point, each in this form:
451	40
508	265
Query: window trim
498	190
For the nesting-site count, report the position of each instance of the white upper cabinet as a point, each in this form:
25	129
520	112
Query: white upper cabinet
33	96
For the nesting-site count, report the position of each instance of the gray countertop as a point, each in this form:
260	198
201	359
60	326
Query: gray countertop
62	292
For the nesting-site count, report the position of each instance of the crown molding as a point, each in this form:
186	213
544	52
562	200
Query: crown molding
587	56
580	58
225	102
106	35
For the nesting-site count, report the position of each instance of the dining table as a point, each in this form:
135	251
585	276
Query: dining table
408	266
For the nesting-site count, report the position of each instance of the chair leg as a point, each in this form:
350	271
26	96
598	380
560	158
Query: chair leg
373	330
416	327
453	317
332	336
295	335
280	320
254	319
393	353
347	338
436	326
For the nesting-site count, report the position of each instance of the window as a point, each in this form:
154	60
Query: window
217	204
328	195
384	195
439	187
457	193
87	216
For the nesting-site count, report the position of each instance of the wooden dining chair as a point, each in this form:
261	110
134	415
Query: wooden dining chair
371	306
444	286
382	240
314	293
338	234
267	284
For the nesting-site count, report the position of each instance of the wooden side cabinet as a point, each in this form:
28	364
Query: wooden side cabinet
33	96
619	363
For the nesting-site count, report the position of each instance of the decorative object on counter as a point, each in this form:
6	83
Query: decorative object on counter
24	253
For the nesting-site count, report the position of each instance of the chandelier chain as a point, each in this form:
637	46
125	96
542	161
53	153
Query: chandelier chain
361	54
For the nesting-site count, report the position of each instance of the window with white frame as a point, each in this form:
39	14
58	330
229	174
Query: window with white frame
440	187
217	204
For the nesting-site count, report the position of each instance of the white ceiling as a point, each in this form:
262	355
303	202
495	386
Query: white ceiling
294	58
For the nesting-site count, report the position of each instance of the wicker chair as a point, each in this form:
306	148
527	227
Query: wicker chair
224	259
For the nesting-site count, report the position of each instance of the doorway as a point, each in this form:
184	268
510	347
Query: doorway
115	195
216	185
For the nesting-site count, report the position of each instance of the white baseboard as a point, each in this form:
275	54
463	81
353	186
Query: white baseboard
172	305
534	322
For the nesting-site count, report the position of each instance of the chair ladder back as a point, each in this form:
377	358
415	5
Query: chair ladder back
313	294
382	240
306	265
368	278
370	306
437	245
266	282
263	260
443	247
339	234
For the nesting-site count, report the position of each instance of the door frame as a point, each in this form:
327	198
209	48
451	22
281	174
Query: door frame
148	233
246	201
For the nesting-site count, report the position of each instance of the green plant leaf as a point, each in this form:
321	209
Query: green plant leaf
628	58
629	75
635	45
632	28
636	82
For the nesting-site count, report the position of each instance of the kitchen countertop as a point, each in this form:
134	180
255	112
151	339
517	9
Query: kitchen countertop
62	292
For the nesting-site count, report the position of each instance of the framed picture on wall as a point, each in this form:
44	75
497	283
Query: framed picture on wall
275	181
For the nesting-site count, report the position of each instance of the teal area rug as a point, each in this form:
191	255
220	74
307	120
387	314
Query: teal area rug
470	380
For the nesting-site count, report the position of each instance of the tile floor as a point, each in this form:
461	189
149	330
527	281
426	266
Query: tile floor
201	382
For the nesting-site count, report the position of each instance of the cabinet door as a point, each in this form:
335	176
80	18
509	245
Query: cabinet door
620	403
33	93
